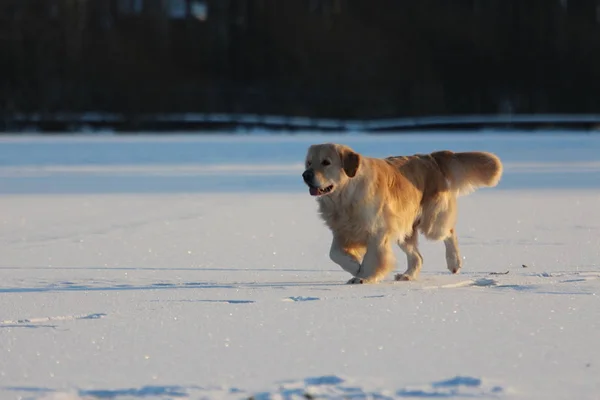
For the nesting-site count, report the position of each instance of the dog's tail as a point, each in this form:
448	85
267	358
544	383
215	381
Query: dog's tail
467	171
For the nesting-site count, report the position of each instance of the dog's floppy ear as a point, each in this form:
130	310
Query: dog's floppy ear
350	161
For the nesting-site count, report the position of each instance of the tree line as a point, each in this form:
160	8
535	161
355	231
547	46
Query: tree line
319	58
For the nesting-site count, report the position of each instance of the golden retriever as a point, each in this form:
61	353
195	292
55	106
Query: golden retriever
371	203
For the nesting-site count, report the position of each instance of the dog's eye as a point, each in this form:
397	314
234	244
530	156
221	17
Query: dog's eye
326	162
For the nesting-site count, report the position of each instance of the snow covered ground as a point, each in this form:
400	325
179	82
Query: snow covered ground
196	267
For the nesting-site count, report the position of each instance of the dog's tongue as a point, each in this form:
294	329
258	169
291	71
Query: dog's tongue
313	191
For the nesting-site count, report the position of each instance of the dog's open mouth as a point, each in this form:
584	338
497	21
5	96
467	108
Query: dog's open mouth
314	191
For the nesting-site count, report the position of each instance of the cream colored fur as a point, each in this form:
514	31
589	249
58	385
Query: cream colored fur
372	203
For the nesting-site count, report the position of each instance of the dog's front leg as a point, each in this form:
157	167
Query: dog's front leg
378	261
349	258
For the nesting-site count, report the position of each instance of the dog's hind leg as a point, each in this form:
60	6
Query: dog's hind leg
347	257
378	261
453	260
437	223
413	257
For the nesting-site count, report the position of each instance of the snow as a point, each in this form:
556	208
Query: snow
187	266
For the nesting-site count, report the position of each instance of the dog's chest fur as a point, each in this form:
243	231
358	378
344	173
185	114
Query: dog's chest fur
347	218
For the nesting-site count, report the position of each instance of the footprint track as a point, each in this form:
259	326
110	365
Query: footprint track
38	320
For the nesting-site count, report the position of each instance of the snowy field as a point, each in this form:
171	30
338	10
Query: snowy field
172	267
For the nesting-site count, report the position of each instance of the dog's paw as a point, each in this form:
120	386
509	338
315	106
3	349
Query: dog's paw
454	264
404	277
355	281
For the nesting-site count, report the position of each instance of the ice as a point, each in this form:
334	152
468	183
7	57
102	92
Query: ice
190	266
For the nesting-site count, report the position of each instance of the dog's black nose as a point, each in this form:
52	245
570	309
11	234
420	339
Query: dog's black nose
308	175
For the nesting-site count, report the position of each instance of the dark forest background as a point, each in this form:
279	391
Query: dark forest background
316	58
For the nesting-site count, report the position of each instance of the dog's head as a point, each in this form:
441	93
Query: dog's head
329	167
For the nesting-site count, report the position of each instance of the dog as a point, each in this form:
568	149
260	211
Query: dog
370	203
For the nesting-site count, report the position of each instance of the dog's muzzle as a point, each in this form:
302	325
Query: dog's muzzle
314	190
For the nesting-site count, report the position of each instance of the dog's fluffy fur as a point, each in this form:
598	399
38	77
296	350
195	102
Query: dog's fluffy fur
371	203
